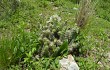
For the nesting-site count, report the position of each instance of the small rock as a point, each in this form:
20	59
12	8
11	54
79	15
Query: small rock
68	64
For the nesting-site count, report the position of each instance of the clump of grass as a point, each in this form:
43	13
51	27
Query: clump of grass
13	49
85	10
54	34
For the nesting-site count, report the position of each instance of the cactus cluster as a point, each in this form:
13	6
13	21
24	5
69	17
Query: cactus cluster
54	33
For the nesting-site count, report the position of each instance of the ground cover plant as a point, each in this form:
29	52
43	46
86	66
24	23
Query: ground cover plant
36	34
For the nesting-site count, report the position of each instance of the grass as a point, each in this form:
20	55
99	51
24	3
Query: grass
19	35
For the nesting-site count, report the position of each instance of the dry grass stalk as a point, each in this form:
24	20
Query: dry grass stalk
85	11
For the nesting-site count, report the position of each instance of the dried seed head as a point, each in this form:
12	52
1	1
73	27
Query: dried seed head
70	48
45	39
45	27
60	33
55	40
51	26
59	42
51	44
54	30
55	17
48	31
43	31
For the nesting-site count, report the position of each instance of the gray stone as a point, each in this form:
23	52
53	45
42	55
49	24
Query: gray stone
68	63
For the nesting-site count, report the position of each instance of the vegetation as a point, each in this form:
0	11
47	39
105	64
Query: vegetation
36	34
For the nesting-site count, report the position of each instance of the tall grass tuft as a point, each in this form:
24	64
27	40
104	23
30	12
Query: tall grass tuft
85	11
13	49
